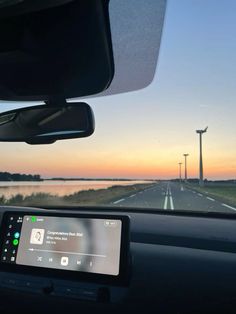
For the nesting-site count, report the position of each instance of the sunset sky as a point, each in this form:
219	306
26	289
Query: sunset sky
144	134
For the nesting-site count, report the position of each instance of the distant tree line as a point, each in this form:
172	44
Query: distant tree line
196	180
190	180
7	176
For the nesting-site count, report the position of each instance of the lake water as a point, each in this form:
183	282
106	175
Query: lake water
60	188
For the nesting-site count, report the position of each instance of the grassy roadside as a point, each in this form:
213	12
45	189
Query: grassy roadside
221	192
87	197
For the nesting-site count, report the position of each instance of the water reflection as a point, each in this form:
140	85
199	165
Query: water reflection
60	188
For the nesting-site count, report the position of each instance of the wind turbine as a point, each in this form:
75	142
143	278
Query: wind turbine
180	172
185	164
201	179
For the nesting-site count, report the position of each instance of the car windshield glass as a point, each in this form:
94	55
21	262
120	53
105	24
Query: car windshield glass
170	146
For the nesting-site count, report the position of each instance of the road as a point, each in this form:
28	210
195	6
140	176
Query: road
171	196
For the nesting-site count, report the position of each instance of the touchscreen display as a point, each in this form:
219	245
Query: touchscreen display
78	244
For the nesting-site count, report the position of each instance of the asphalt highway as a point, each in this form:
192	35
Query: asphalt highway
173	196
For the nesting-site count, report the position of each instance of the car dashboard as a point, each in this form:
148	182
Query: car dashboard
163	262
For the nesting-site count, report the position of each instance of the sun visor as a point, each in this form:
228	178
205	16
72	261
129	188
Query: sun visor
79	49
136	30
63	51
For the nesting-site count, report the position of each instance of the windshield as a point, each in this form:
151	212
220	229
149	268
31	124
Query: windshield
170	146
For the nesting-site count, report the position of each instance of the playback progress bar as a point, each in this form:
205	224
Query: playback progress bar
63	252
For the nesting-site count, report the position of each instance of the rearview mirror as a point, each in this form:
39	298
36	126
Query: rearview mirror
46	124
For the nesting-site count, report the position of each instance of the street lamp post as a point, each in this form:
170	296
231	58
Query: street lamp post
201	179
185	167
180	172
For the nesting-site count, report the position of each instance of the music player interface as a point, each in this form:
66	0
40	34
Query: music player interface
79	244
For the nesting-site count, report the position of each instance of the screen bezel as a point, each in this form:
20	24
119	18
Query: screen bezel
120	279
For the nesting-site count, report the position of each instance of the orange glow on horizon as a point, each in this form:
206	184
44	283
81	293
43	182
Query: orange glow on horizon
114	169
129	160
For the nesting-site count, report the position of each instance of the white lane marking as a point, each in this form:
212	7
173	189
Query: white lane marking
225	205
166	197
199	194
171	203
182	188
194	192
121	200
132	195
171	199
211	199
165	203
